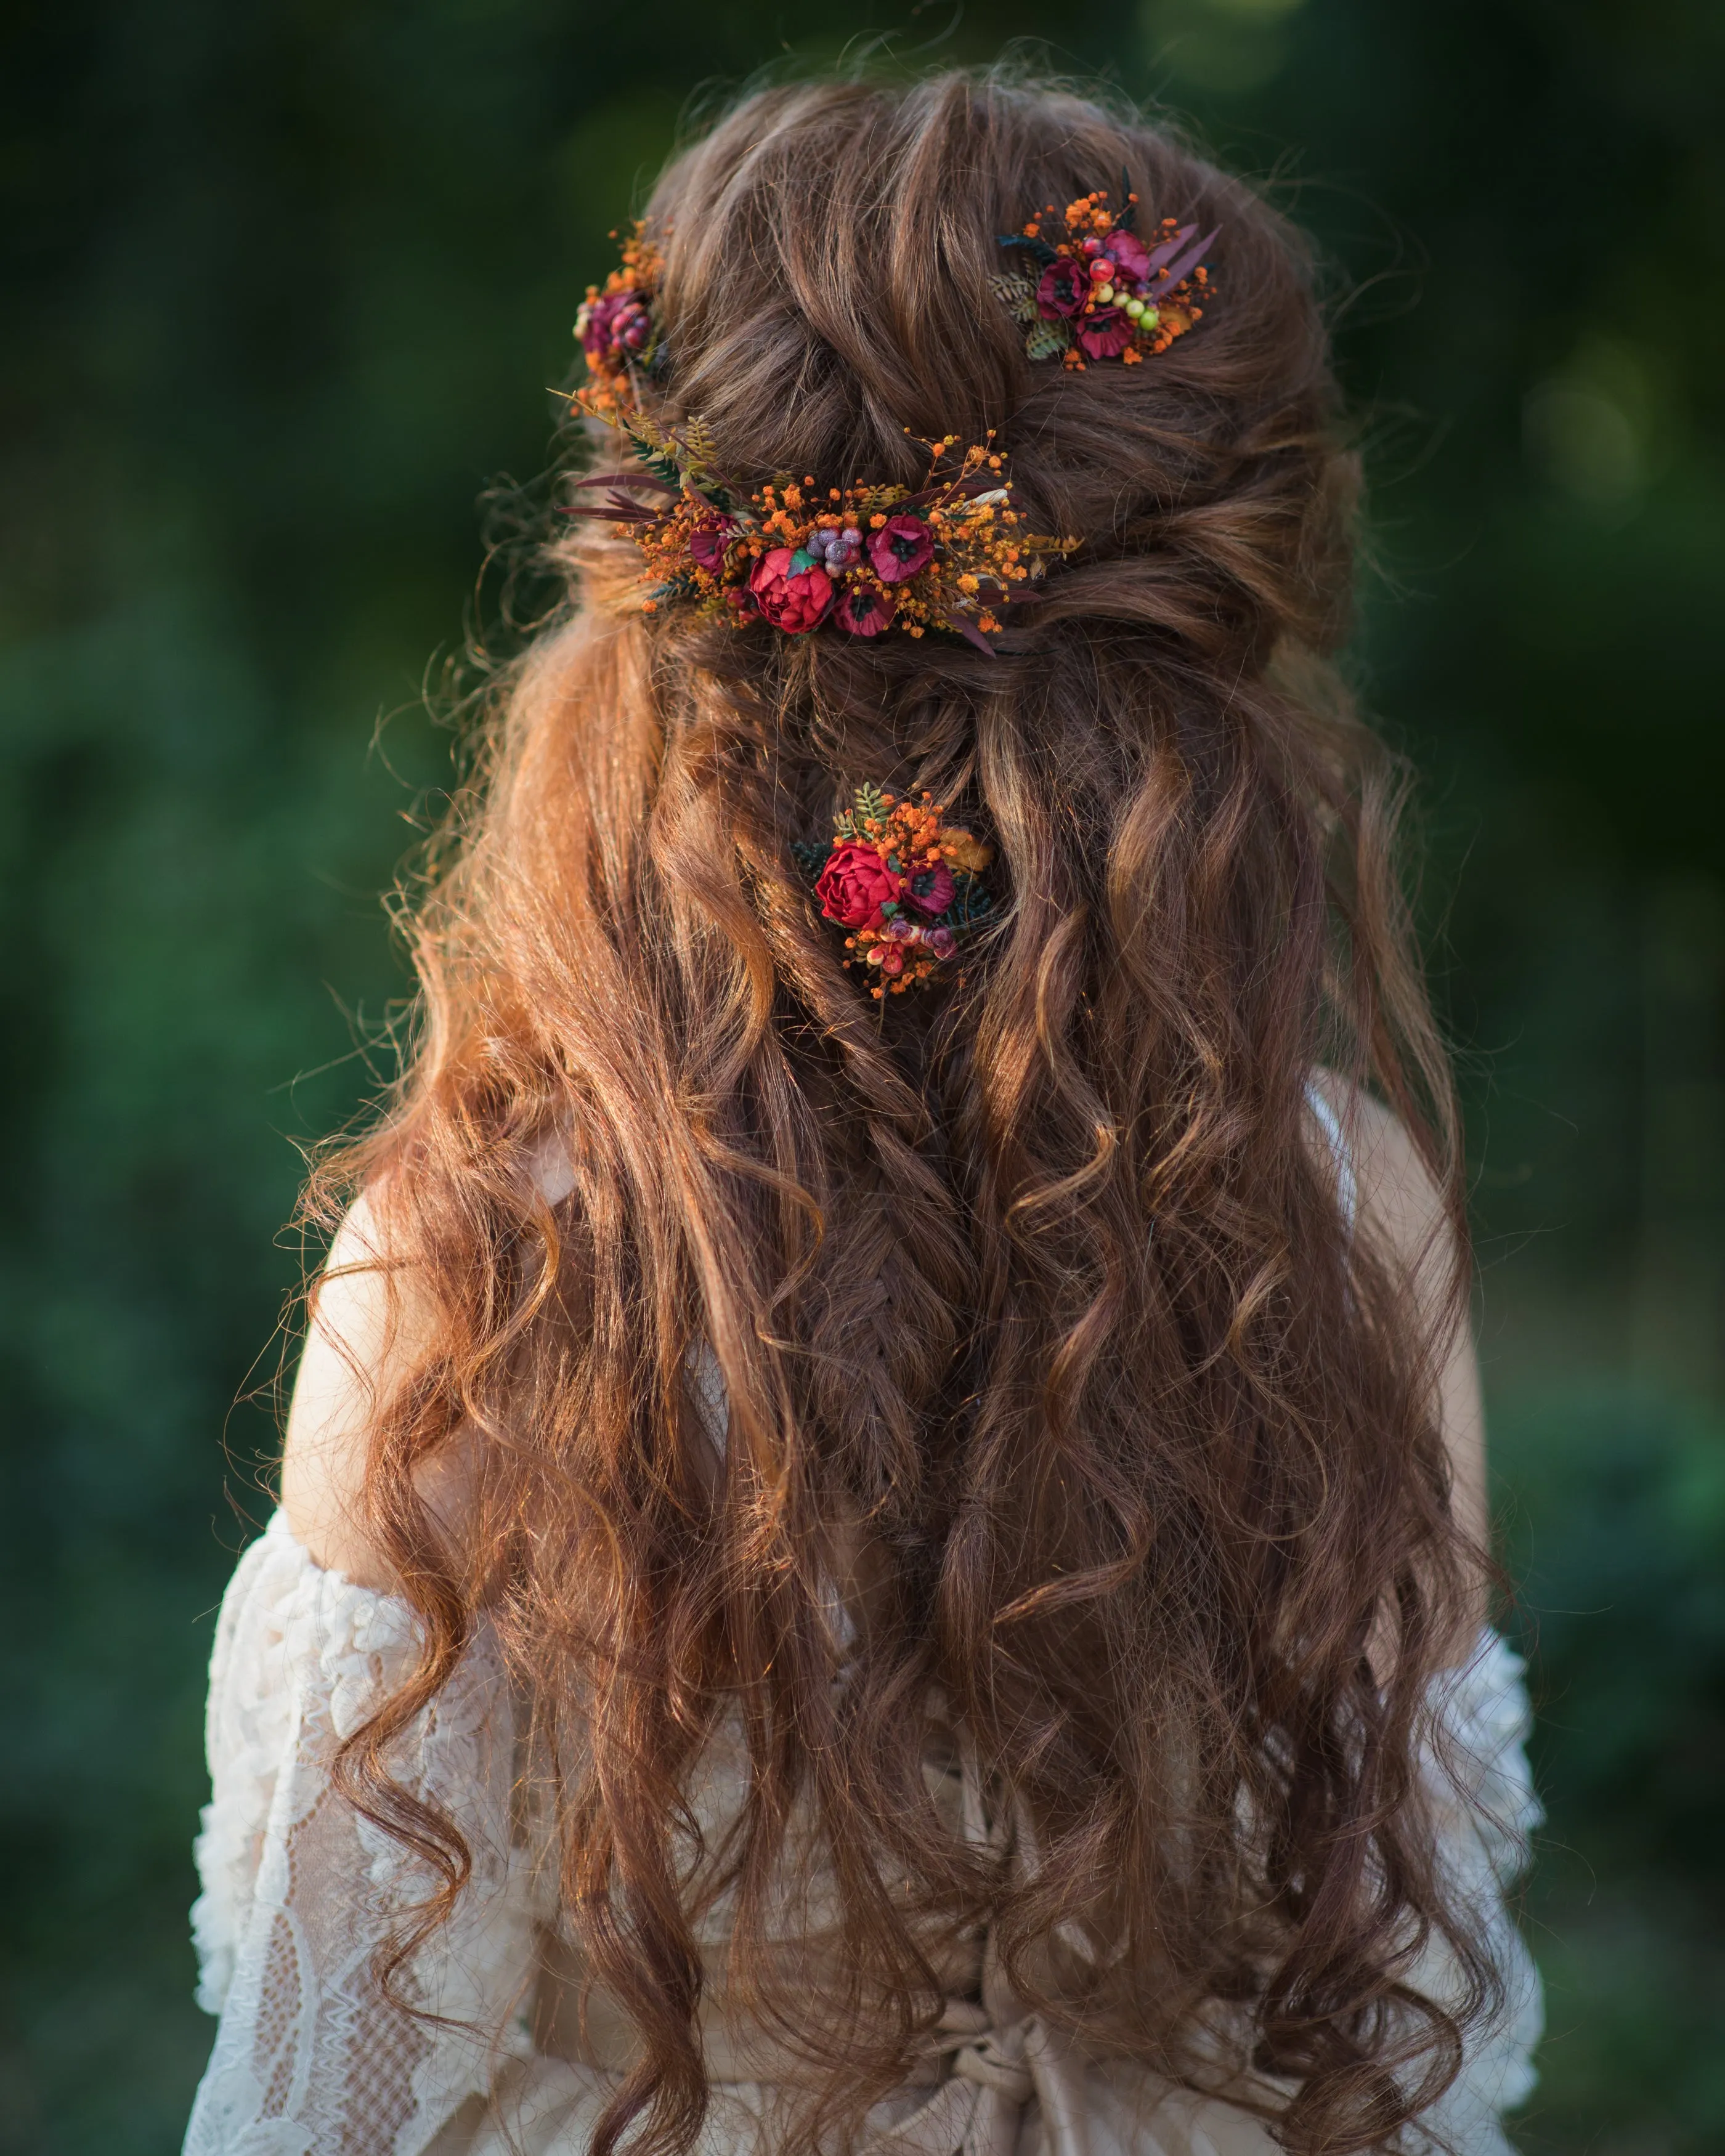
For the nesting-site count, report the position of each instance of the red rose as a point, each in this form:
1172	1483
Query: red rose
932	889
901	546
864	611
1104	335
794	602
855	885
1064	289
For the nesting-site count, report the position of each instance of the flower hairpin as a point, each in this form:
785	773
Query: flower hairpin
953	554
906	885
1100	292
617	327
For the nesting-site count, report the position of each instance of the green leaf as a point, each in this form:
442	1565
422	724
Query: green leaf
1047	339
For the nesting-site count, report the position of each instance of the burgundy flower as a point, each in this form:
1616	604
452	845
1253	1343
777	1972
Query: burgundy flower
932	889
900	548
943	942
855	885
708	541
1129	254
1065	287
1104	335
614	326
865	610
794	601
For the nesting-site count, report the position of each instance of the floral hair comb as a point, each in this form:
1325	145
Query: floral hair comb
906	885
953	554
617	327
1100	292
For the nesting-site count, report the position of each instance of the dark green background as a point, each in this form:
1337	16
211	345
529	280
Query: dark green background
288	279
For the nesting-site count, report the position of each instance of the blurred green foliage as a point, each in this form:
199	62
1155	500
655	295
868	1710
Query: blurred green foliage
287	281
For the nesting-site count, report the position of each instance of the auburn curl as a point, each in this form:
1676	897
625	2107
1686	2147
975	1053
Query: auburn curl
1031	1298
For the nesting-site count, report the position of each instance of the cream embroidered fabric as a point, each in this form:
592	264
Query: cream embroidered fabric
310	2060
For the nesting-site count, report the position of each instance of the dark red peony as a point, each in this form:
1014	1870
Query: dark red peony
864	611
1130	254
793	601
1104	335
855	885
932	889
708	541
900	548
1064	289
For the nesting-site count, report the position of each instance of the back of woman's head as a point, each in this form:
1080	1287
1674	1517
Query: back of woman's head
1033	1304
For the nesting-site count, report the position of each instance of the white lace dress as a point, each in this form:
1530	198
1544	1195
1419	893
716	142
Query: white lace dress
310	2060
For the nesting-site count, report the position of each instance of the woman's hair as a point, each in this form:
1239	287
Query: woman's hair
1030	1292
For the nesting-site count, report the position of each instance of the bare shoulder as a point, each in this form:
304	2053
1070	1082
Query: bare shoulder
1401	1206
1396	1193
367	1330
372	1324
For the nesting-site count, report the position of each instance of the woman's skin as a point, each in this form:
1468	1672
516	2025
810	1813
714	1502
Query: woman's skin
353	1351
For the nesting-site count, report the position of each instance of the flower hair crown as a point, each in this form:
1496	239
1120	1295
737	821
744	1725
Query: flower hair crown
905	884
1101	292
953	554
1097	291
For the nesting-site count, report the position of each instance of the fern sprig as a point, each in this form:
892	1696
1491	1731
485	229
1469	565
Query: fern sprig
869	807
1018	295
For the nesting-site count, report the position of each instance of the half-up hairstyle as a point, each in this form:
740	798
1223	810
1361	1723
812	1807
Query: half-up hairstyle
1038	1318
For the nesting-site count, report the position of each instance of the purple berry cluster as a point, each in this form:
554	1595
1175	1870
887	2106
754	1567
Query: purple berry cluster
835	550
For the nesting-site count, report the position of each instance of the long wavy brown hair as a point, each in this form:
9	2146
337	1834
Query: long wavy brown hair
1033	1288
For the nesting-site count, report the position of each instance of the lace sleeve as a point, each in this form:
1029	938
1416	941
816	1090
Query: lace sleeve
1482	1792
309	2059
